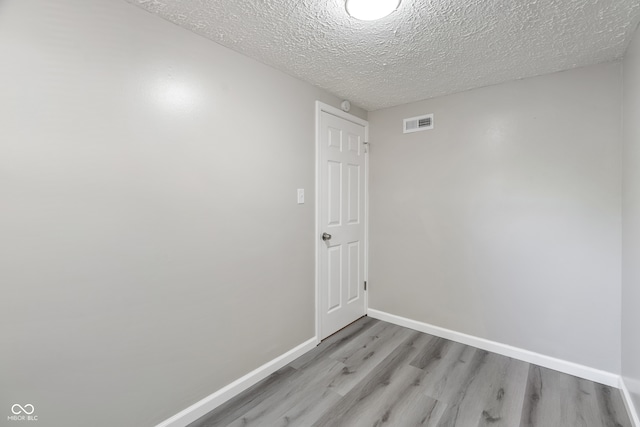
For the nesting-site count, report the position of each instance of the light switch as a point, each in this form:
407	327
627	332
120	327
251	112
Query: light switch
300	196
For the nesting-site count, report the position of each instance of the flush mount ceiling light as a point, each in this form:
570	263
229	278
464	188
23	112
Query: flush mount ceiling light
370	10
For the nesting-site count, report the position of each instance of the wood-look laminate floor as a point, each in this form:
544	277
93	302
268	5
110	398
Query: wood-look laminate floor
373	373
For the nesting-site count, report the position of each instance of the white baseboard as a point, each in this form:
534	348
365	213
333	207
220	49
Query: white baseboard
216	399
571	368
628	402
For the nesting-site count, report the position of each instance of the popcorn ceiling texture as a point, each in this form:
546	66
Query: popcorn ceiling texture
425	49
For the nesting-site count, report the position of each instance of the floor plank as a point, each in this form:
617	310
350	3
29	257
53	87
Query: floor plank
554	398
240	405
335	342
366	359
504	394
359	404
311	381
373	373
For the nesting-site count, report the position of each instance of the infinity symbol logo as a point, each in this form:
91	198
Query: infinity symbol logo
27	409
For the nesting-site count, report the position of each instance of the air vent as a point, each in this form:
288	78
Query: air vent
415	124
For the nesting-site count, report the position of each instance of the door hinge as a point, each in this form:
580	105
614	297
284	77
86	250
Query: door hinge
365	285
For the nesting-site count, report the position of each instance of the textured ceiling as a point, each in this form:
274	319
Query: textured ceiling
426	48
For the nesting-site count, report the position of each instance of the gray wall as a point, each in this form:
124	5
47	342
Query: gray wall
151	247
631	222
504	221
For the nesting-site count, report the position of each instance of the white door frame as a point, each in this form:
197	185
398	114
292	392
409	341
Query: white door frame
320	108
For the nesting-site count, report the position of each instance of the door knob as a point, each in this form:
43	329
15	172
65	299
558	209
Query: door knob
326	236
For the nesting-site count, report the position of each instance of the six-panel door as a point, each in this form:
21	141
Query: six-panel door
342	193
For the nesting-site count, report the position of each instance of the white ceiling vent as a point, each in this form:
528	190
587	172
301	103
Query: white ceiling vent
415	124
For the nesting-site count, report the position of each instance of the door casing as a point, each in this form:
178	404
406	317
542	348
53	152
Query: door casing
322	107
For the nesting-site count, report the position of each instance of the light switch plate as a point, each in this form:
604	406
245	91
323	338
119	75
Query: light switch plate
300	196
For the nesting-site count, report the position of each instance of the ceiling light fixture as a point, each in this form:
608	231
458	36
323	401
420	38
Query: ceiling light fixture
370	10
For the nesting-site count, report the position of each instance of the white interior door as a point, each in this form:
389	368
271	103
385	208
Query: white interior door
341	222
